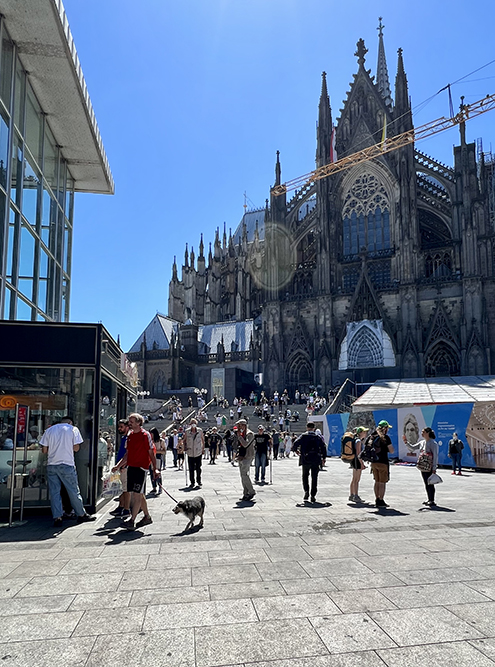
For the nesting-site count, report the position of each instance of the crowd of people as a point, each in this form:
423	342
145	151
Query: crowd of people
141	452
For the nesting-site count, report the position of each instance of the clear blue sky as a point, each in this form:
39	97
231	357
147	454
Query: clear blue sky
194	97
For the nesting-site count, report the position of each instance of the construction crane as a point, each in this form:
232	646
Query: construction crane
466	112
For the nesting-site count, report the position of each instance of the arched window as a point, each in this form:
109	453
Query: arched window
442	361
438	265
366	216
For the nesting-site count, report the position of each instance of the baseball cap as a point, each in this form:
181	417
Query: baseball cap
384	424
361	429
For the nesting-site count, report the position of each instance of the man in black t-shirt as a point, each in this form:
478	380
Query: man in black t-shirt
312	452
381	469
262	444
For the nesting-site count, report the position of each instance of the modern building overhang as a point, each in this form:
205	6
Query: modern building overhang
47	51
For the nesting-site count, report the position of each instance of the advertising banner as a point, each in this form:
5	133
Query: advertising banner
474	424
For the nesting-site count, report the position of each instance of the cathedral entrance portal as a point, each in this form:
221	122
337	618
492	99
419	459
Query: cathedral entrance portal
299	374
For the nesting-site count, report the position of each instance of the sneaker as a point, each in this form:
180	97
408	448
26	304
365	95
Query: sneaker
126	514
426	502
129	525
58	522
117	512
432	503
85	518
145	521
313	499
306	496
351	498
460	473
454	473
357	499
191	486
69	515
380	503
199	485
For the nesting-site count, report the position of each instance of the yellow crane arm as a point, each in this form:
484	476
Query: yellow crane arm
466	112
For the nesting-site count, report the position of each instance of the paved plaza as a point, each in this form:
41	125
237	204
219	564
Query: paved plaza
271	584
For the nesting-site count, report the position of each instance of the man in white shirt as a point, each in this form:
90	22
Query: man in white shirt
60	441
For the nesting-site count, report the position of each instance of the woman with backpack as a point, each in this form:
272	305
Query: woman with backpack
427	461
356	464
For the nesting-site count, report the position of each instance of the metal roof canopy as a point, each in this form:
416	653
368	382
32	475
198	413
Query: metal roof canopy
423	391
47	51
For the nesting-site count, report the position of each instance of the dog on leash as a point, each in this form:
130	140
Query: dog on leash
191	508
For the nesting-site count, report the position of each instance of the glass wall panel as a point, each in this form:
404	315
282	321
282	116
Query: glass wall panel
42	286
25	287
26	258
2	227
17	164
69	196
6	305
20	87
12	245
43	268
6	69
50	159
31	190
67	249
4	150
33	124
51	393
24	311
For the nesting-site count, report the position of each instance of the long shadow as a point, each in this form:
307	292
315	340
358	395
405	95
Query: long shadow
242	504
436	508
187	489
122	536
388	511
191	531
315	505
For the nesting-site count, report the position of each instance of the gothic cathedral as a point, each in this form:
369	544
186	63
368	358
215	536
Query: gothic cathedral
383	270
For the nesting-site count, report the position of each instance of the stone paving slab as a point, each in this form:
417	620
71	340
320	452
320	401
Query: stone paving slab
272	585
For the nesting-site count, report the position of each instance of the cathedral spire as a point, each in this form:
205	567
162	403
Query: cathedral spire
402	105
201	248
382	79
192	257
210	256
174	269
224	240
186	257
278	170
324	129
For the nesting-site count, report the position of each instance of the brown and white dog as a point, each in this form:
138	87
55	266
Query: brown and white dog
191	508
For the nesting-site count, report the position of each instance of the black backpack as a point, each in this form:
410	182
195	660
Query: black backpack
348	446
371	448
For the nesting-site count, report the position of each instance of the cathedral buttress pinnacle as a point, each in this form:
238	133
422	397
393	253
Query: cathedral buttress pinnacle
382	79
324	130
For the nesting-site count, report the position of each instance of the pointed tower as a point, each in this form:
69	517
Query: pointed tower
324	128
278	204
200	284
382	80
402	112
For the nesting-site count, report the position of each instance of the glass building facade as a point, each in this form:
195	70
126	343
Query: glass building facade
36	201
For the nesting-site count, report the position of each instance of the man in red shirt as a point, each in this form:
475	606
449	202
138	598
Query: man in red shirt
138	457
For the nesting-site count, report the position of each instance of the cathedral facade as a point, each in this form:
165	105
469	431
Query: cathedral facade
383	270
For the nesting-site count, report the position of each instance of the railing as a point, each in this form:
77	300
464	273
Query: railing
370	254
433	280
433	165
346	391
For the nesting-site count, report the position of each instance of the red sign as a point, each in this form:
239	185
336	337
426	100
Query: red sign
22	413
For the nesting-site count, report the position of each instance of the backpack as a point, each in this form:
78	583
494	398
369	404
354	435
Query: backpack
348	446
371	448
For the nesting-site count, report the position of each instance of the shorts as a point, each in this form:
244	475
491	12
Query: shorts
136	479
381	472
356	463
123	478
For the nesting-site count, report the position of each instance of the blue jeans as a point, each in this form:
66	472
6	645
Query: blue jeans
260	462
456	461
67	475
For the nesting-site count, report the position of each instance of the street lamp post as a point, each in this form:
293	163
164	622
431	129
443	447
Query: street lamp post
140	394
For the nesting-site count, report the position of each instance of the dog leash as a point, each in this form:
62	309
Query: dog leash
168	494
